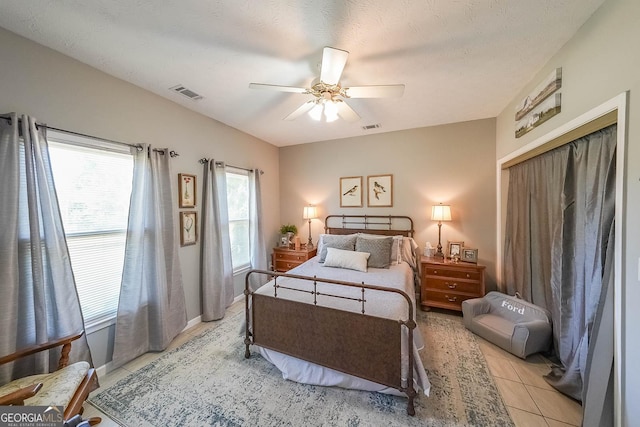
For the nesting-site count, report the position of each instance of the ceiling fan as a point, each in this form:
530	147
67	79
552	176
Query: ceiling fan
329	95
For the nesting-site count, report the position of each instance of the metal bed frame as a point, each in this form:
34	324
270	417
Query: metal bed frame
354	343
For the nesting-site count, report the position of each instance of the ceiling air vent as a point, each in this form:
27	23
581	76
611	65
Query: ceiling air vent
186	92
369	127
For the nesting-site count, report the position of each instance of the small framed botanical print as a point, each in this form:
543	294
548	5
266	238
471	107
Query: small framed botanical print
188	228
187	190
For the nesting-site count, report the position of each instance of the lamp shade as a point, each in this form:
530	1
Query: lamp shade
441	213
309	212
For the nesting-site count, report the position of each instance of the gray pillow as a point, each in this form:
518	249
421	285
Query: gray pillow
347	243
380	250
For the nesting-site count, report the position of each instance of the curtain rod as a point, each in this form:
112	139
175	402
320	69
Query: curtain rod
136	146
204	160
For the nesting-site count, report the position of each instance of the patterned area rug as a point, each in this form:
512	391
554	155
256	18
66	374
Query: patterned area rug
208	382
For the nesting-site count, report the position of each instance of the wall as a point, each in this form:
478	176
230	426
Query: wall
598	63
452	164
67	94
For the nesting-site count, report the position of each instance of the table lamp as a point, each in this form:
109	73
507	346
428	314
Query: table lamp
440	213
309	213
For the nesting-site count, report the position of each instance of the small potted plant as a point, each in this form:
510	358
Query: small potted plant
287	231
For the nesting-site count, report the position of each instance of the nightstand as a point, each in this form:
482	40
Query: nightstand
446	284
284	259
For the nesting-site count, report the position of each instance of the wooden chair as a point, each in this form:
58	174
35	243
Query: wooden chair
68	386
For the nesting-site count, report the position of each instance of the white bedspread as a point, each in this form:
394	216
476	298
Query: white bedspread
381	304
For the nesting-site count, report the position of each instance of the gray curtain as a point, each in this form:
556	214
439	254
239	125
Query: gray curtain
151	309
558	246
216	267
533	213
39	297
256	232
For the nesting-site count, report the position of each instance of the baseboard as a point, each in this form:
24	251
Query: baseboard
193	322
238	298
104	369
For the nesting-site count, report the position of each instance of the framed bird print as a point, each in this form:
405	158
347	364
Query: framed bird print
380	190
351	192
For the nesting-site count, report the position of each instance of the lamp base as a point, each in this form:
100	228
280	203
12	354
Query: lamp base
309	242
439	253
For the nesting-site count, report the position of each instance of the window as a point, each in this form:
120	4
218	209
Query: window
238	205
94	187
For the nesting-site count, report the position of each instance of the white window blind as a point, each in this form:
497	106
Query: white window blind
94	190
238	205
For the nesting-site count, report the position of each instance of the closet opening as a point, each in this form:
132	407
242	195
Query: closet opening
601	117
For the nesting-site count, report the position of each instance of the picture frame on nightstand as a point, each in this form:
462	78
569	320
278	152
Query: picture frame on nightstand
455	249
469	255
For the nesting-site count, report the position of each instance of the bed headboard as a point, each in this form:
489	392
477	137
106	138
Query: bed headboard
388	225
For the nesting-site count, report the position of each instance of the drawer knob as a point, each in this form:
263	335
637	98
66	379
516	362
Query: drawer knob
451	299
468	275
435	271
451	285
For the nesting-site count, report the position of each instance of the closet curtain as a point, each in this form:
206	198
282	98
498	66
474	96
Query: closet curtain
151	308
216	268
559	251
256	239
39	300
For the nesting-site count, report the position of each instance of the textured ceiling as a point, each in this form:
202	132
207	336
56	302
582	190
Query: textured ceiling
460	60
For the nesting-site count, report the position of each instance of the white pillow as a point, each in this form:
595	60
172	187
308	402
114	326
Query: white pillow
351	260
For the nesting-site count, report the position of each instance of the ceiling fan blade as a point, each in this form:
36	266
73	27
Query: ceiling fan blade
278	88
382	91
347	112
333	62
301	110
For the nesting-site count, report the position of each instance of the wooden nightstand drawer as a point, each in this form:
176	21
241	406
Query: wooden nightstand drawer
453	285
449	300
451	272
284	265
284	259
291	256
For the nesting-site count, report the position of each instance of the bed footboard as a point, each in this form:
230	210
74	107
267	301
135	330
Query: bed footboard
358	344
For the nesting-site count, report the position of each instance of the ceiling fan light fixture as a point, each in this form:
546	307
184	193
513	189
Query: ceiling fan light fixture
329	103
331	111
316	112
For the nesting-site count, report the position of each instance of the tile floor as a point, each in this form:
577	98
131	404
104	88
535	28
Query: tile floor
529	399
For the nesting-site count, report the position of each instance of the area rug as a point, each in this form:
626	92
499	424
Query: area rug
208	382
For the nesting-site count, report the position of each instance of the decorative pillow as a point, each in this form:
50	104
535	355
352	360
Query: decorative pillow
320	243
379	248
346	242
396	247
349	259
408	251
